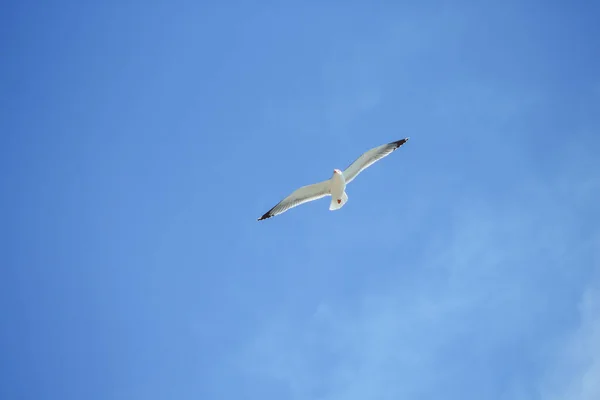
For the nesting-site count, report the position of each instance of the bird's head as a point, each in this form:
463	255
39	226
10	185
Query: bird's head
337	171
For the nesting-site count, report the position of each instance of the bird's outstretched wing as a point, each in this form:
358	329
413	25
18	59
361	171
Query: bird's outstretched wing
299	196
369	158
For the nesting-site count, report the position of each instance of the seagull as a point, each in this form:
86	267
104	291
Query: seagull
336	185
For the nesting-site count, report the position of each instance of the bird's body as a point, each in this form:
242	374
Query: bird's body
336	185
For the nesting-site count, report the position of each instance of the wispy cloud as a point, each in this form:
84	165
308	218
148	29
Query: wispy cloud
481	311
575	371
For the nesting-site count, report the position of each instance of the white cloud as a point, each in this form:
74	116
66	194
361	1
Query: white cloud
575	371
481	311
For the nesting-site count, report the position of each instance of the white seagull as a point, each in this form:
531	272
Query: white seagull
336	185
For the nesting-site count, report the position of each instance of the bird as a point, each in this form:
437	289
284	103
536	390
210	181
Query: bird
336	185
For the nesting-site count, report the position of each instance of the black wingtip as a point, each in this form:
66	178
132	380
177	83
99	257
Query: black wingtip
400	142
264	217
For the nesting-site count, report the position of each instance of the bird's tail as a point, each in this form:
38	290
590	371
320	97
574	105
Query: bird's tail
336	204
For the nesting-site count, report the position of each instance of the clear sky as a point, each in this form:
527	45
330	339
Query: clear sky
140	141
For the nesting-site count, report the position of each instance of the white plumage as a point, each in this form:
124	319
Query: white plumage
336	185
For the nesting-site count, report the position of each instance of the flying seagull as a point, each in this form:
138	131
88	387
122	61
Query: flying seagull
336	185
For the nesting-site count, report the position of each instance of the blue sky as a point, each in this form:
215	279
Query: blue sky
141	141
